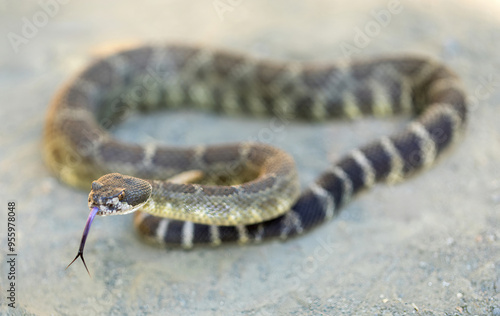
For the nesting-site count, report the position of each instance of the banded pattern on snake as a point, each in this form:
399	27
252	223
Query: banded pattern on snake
246	191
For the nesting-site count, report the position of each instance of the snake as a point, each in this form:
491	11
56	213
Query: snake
249	191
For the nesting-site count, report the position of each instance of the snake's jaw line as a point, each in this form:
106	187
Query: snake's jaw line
120	209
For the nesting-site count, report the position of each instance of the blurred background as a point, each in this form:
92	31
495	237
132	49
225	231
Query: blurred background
429	246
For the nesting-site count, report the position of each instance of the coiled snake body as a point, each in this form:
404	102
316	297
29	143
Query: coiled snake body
247	191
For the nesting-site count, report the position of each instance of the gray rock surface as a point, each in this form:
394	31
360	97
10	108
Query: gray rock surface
429	246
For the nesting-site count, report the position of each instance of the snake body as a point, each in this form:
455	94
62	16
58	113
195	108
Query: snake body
249	191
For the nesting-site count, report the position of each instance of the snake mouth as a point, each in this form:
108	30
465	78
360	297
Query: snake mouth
120	208
109	205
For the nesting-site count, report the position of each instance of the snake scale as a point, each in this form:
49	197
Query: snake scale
247	191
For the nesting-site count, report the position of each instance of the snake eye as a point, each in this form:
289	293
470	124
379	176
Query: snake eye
121	195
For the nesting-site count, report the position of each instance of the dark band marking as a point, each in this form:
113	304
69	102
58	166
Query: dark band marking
102	74
174	233
225	64
78	98
309	201
379	159
228	233
112	150
219	190
146	224
257	186
256	156
267	73
83	135
174	157
333	184
409	147
362	71
138	58
334	106
394	88
221	154
318	78
178	187
354	172
181	55
364	99
303	107
440	128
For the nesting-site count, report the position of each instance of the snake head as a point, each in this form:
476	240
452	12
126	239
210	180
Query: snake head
117	194
113	194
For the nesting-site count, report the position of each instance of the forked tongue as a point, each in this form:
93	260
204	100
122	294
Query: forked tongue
90	219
